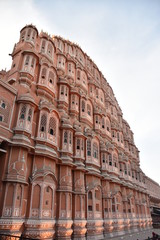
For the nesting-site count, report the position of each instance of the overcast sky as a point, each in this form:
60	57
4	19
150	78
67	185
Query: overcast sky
122	37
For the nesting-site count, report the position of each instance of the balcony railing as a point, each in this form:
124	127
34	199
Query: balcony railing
113	169
120	215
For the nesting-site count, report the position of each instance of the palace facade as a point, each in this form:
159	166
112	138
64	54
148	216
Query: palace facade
69	166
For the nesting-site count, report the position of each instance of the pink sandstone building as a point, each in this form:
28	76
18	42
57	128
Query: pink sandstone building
69	167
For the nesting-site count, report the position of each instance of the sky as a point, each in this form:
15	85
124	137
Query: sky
122	37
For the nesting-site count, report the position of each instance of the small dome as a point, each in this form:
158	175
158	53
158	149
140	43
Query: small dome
30	26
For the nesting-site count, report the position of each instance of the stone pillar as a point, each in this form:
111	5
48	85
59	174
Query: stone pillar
64	222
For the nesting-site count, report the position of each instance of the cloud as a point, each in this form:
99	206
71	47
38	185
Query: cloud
13	16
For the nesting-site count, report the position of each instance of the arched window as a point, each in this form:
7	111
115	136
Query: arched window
28	34
78	143
19	196
27	61
70	50
47	198
69	67
70	138
43	123
112	110
66	91
113	205
120	167
23	35
23	112
36	197
33	35
78	74
110	159
29	115
108	125
10	194
118	136
48	189
52	126
43	74
59	60
43	46
113	134
83	106
89	195
129	206
73	99
82	144
115	160
49	49
97	76
62	90
95	150
51	77
129	170
102	98
84	79
90	203
103	158
65	137
60	45
89	109
97	93
115	112
88	147
121	138
103	123
4	111
33	62
96	119
97	194
125	169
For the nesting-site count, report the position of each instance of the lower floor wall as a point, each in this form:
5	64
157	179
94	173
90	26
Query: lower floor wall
74	229
43	198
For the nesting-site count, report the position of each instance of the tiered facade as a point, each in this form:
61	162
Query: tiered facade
69	166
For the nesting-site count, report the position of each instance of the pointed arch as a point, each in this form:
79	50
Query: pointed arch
89	147
52	129
36	197
43	123
83	106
